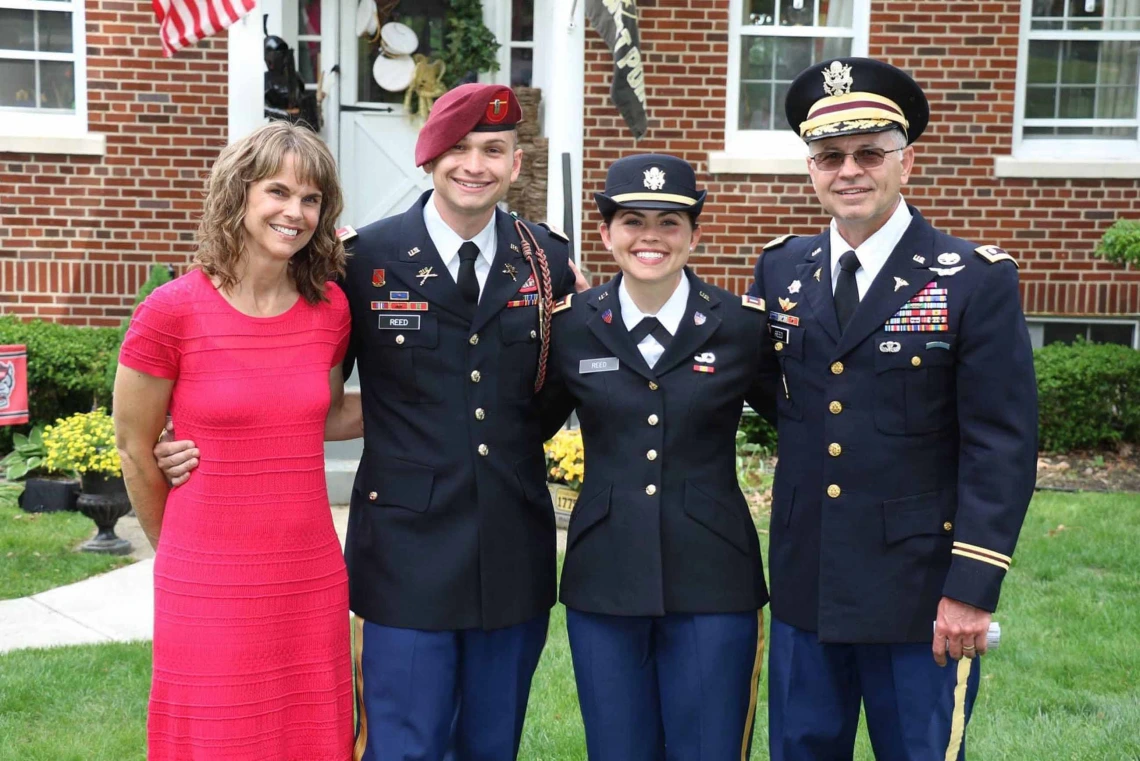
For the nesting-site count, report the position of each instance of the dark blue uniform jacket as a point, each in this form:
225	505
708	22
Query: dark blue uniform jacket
906	458
451	525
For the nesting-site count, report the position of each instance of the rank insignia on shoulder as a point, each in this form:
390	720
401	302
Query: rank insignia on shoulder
555	232
346	233
779	241
751	302
562	304
994	254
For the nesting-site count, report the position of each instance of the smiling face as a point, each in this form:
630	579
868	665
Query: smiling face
650	246
281	214
862	200
475	174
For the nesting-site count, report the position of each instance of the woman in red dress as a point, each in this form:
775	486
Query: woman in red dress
251	633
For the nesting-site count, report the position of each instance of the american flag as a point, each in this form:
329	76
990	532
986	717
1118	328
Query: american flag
184	22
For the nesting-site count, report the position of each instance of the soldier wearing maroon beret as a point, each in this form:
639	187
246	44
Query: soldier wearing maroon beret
451	538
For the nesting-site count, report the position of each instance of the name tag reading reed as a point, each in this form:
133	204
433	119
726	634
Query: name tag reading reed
600	365
399	322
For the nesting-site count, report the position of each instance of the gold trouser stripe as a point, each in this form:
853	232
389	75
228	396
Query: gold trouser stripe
958	721
983	550
980	558
671	197
755	685
358	678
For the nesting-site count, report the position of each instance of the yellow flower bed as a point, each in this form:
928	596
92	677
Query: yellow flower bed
83	443
565	458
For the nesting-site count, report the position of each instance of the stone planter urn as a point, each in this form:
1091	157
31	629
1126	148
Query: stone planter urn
563	498
104	500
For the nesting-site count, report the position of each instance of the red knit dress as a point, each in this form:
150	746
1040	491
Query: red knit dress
251	631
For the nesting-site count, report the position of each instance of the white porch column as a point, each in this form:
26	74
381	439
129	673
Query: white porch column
563	98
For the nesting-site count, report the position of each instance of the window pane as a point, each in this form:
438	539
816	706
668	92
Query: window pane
839	13
1111	15
522	20
54	32
791	15
1116	103
17	29
1079	62
1048	14
755	106
757	59
759	12
1043	56
309	61
522	67
427	18
1040	103
793	55
1064	332
779	118
1077	102
57	84
17	83
1082	133
1111	334
309	17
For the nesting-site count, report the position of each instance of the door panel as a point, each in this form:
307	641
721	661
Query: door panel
378	166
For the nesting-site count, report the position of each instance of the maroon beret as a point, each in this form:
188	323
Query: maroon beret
467	108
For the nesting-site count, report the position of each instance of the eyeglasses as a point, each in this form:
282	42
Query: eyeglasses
867	158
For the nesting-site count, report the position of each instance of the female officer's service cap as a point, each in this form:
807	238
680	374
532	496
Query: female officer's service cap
854	96
467	108
650	181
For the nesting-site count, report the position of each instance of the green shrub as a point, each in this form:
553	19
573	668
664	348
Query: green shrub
759	434
1088	395
159	274
65	369
1121	243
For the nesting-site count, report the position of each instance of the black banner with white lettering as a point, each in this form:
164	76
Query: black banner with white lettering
616	22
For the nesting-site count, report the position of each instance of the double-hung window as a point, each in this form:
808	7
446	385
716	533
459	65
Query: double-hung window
42	68
1079	84
770	42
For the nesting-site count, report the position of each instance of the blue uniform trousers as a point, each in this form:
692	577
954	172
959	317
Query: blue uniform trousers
677	687
431	695
916	711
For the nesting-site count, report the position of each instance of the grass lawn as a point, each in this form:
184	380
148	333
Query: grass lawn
1064	685
37	550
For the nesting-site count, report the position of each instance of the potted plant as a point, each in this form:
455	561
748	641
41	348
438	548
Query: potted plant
28	460
84	444
565	467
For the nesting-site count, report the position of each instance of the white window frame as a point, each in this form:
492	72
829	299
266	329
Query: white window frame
497	15
772	151
1036	325
1047	149
52	131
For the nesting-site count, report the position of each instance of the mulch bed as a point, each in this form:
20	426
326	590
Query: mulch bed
1090	471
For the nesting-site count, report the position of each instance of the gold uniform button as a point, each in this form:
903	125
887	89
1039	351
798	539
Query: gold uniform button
474	339
483	450
835	408
833	491
834	450
651	454
916	361
533	335
947	526
651	490
652	386
475	376
479	413
372	496
779	346
653	419
837	368
400	340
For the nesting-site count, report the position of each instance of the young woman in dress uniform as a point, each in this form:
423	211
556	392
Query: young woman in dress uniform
663	579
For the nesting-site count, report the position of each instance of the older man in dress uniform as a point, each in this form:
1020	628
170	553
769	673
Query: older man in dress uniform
907	419
451	538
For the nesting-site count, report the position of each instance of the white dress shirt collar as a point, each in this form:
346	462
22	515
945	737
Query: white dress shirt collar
670	313
447	241
874	251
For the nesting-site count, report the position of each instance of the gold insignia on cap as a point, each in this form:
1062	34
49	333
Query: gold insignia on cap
837	79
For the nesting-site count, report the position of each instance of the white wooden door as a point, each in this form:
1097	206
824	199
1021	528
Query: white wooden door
377	164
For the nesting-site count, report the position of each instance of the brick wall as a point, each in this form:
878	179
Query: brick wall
78	234
964	54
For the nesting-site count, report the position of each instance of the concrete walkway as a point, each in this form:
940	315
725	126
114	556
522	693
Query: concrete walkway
114	607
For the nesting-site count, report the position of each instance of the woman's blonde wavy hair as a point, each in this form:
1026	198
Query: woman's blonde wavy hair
262	154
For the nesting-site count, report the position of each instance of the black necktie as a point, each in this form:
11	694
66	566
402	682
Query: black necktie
846	289
649	326
468	283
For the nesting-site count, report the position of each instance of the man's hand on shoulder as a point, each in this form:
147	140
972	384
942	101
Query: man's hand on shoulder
960	630
175	458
